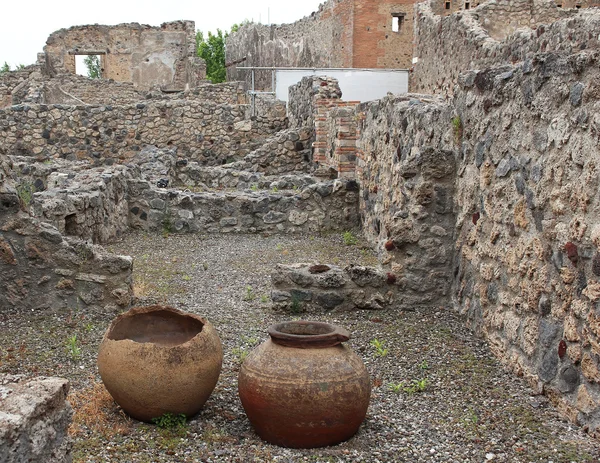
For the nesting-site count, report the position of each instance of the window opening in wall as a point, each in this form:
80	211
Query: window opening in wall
447	5
467	5
577	6
397	22
559	5
89	65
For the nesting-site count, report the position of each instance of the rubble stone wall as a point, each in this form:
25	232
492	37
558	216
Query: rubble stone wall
11	80
527	270
321	40
406	169
319	207
447	46
298	287
204	132
74	89
42	269
34	420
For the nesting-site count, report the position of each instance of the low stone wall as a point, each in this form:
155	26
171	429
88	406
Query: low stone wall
89	203
34	419
74	89
298	287
208	133
285	152
193	176
40	269
319	207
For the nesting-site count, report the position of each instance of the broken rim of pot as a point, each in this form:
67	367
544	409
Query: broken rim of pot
307	334
161	325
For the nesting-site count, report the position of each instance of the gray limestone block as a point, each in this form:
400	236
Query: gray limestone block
365	276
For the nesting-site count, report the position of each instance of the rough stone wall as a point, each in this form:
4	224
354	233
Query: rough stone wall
73	89
406	169
142	54
500	18
375	43
577	3
328	206
298	287
205	132
41	269
303	98
90	204
287	151
10	80
527	270
447	46
34	419
324	39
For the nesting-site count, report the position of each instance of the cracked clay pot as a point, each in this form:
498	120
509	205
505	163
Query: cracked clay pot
303	388
156	359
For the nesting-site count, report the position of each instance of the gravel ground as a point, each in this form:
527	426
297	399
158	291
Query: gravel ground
470	408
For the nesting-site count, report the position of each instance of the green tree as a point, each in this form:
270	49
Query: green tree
4	68
92	63
212	50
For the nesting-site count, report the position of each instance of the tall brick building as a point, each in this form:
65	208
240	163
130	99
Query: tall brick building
341	34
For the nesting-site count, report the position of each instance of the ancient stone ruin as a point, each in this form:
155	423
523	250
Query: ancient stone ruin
478	190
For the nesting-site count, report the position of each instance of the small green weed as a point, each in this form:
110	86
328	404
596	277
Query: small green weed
241	353
424	365
254	187
25	192
380	349
170	421
250	340
417	385
349	238
397	388
274	189
72	348
458	129
249	296
186	278
264	299
471	423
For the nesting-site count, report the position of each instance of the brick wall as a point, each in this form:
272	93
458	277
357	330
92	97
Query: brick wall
375	44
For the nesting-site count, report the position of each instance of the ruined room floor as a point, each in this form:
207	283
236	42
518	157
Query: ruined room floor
471	410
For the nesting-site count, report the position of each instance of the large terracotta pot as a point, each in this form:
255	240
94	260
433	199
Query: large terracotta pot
302	388
155	360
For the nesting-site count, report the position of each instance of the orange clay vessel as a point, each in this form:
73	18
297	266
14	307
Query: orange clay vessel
303	388
156	359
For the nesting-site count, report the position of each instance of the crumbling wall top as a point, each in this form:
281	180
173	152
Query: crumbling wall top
131	52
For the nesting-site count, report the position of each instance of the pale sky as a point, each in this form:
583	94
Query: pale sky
26	24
